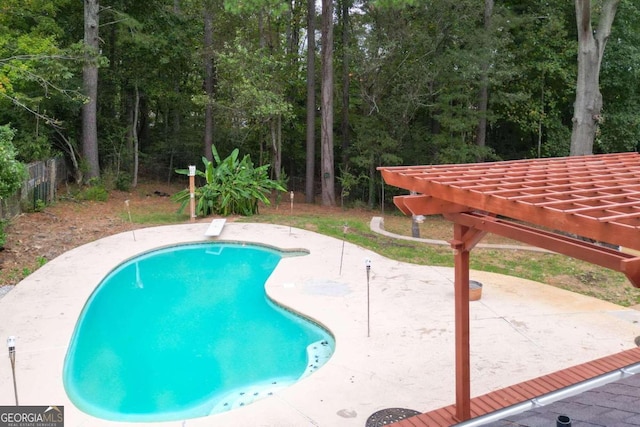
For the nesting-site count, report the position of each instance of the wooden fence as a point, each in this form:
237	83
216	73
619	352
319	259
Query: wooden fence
39	188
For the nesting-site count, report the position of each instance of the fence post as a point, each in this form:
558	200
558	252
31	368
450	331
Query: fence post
51	164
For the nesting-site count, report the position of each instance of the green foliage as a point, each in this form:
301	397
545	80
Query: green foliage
251	79
32	148
3	235
620	83
154	218
39	205
123	182
274	7
40	63
348	181
415	68
12	172
461	152
95	191
233	186
282	182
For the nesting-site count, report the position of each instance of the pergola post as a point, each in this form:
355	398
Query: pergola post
462	327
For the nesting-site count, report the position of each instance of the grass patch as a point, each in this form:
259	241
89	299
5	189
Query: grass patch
154	217
552	269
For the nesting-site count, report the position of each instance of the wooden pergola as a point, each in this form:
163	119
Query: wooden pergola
586	207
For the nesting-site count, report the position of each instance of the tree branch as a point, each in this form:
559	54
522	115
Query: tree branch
606	22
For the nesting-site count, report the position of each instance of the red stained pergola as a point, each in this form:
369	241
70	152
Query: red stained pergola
542	202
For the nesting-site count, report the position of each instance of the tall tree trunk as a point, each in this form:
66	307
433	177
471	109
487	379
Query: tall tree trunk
275	125
90	84
326	145
309	189
208	81
134	134
175	130
587	109
483	98
346	4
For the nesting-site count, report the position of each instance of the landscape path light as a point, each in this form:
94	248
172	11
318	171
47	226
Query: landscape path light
367	264
11	345
345	227
126	203
291	211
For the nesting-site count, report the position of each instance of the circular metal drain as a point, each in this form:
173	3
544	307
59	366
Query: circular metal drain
388	416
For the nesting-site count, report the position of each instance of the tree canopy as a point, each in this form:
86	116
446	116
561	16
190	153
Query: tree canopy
415	83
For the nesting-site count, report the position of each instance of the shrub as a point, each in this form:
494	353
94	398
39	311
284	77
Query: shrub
3	236
123	182
12	172
232	186
96	191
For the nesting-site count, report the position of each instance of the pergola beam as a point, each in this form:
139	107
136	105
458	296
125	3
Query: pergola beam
426	205
579	249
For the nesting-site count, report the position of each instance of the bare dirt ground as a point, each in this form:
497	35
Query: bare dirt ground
38	237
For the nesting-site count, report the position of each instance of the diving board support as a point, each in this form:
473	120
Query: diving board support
215	228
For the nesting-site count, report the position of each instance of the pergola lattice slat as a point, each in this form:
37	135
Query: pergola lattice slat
609	182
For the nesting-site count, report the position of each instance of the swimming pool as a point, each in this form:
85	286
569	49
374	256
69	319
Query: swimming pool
187	331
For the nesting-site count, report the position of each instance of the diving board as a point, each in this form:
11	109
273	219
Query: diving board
215	228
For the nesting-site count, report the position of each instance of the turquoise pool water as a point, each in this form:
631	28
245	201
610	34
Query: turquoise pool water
187	331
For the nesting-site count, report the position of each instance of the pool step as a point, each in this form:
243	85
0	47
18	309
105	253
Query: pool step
239	398
318	353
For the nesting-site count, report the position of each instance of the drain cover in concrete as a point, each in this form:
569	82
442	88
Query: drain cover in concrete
388	416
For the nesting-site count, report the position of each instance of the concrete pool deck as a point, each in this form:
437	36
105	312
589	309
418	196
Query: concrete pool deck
519	329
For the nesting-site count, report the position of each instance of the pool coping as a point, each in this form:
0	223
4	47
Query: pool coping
406	361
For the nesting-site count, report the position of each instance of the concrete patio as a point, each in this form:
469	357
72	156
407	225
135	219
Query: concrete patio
519	329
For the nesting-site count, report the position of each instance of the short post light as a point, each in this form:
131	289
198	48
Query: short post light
291	195
11	345
192	192
367	264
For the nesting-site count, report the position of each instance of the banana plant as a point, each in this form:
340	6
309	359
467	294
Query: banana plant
233	186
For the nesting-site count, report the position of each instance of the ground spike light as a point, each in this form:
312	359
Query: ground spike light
291	214
345	227
11	345
367	264
126	202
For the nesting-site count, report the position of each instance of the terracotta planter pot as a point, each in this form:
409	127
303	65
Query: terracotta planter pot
475	290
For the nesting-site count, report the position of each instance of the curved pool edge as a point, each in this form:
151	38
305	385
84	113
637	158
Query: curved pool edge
407	360
71	278
116	284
